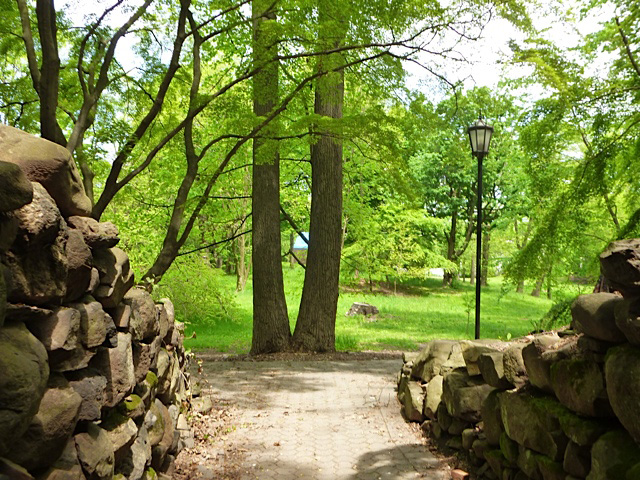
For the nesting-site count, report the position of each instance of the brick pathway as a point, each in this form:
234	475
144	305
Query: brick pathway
319	420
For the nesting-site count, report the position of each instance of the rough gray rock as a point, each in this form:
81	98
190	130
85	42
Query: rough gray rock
594	315
15	188
49	164
37	260
122	432
538	369
143	324
160	451
8	230
96	234
437	358
463	395
116	364
513	365
362	309
613	455
50	429
492	418
620	264
622	377
67	467
116	277
91	386
137	458
491	367
579	384
95	453
433	397
413	401
24	372
59	332
79	262
532	422
96	324
627	314
577	460
121	315
145	356
471	351
11	471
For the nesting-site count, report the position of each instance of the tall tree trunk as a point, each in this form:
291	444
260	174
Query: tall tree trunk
270	319
315	327
536	290
49	72
242	269
472	271
486	246
520	286
447	278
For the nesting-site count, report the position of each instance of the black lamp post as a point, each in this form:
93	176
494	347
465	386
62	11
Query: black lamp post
480	137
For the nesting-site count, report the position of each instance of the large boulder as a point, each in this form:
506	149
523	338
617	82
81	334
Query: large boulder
538	368
79	262
413	400
471	351
577	460
620	264
96	324
49	164
594	315
533	422
137	458
67	467
116	277
433	397
160	451
463	395
613	455
50	429
122	432
622	377
15	188
116	364
437	358
513	366
579	384
627	315
91	386
145	356
95	453
491	367
143	324
59	332
12	471
96	234
37	260
492	418
24	372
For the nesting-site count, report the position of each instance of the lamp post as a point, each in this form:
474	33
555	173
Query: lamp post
480	137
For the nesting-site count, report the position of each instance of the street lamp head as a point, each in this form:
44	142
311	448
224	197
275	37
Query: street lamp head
480	137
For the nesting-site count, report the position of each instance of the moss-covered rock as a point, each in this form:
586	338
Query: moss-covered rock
579	384
463	395
24	372
622	373
613	455
509	449
530	421
549	469
528	463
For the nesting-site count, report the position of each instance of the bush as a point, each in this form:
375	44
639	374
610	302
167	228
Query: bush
558	315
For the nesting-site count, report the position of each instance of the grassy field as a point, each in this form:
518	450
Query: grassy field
417	314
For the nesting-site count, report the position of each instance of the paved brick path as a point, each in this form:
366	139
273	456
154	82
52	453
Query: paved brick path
324	420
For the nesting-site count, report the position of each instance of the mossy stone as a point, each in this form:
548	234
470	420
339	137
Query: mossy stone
509	449
549	469
613	455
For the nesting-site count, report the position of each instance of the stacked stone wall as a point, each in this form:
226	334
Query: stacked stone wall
555	406
92	371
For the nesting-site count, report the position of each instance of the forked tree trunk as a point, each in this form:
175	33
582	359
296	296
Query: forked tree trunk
315	328
270	319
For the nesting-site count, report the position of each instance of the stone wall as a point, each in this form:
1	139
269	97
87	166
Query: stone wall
555	406
92	370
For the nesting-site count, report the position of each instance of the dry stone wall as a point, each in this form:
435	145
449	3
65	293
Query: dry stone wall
92	370
555	406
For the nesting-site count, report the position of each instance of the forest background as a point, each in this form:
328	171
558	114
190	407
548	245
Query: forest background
201	129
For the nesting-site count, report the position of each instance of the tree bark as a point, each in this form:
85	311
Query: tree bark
270	318
49	72
536	290
484	271
315	327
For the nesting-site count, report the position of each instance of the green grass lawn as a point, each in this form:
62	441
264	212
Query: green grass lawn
405	321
